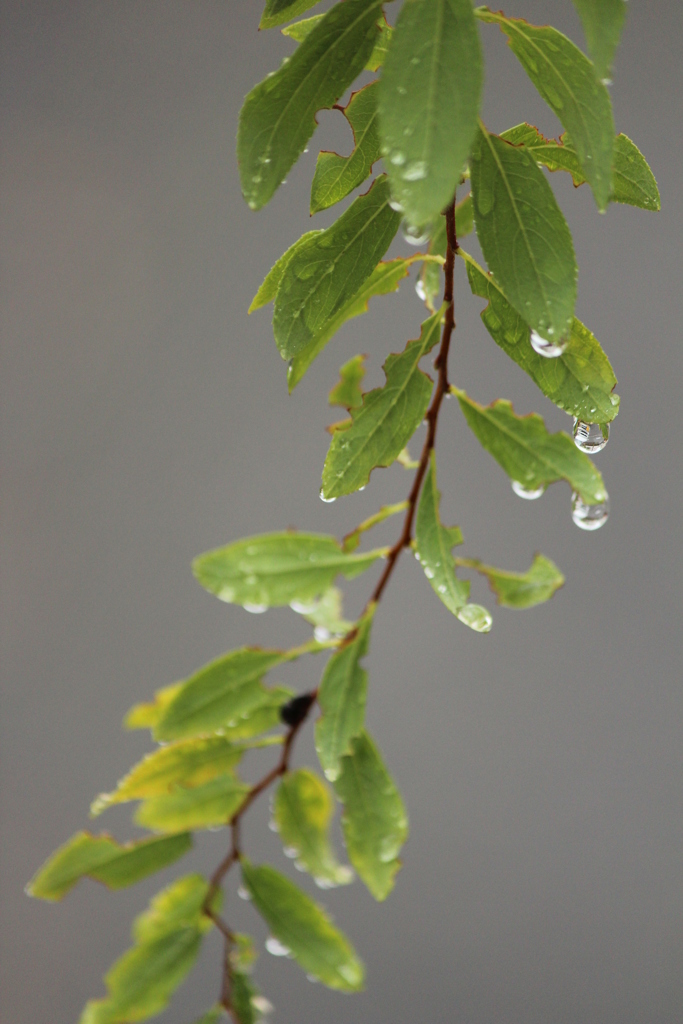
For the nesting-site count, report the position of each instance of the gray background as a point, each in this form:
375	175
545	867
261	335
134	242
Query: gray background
146	419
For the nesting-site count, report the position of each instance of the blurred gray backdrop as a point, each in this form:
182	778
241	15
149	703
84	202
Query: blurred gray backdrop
146	419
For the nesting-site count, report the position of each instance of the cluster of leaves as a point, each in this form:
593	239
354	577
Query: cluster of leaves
421	117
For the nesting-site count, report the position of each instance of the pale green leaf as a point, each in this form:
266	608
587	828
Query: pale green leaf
602	22
431	280
302	811
633	181
523	234
167	940
580	380
278	568
384	279
278	116
434	542
386	421
304	928
374	821
219	694
341	697
347	392
146	716
527	452
566	80
429	99
104	860
336	176
520	590
352	540
188	763
209	805
328	270
271	282
277	12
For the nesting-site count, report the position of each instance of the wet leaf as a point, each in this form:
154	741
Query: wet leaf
104	860
327	270
527	452
633	181
278	115
580	380
277	12
302	29
146	716
566	80
210	805
271	282
302	811
431	275
341	696
326	612
336	176
304	928
347	392
520	590
276	568
524	237
602	22
374	821
386	421
429	99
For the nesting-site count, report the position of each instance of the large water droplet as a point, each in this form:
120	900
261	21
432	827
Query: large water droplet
326	500
395	205
255	609
590	437
300	608
414	234
530	493
243	893
549	349
476	617
420	289
275	947
589	517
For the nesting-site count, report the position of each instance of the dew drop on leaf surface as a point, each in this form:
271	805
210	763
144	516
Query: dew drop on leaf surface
549	349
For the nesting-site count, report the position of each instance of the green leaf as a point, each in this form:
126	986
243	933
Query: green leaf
209	805
523	234
347	392
566	80
219	694
384	279
302	29
633	181
352	540
527	452
242	995
104	860
433	542
168	937
278	116
374	821
341	697
188	763
386	421
277	12
520	590
276	568
213	1016
429	99
271	282
302	812
326	613
304	928
337	176
146	716
580	380
330	268
431	284
602	22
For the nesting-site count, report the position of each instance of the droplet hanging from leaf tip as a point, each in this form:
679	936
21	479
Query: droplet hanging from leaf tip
589	517
529	493
327	501
590	437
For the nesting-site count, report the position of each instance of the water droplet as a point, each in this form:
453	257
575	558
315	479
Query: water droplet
276	948
290	851
415	171
398	158
326	500
362	488
476	617
614	399
262	1005
272	825
306	149
393	203
549	349
255	609
321	634
606	81
429	573
312	978
590	437
530	493
414	234
300	608
420	289
244	894
589	517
